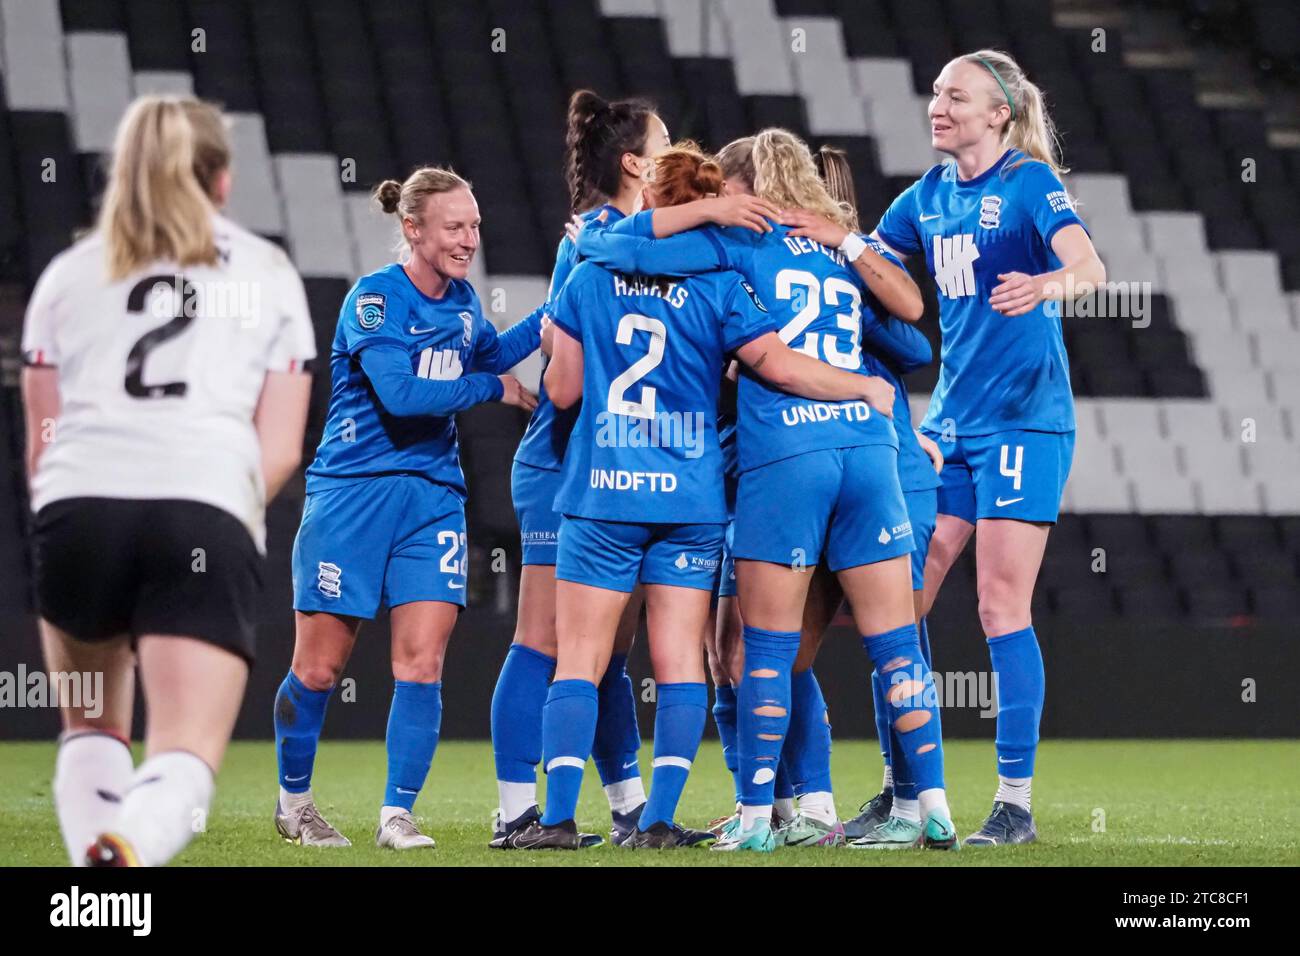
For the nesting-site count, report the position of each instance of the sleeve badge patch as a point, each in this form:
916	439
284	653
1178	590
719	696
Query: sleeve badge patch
370	311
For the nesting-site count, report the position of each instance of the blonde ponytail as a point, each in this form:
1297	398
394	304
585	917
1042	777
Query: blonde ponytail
167	156
1030	128
786	176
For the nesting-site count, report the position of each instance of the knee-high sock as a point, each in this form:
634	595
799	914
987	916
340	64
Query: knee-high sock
91	774
568	728
881	708
808	743
679	724
517	706
299	714
167	804
724	715
614	749
1018	669
414	721
896	657
765	686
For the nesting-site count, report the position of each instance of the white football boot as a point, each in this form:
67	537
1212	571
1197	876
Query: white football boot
401	833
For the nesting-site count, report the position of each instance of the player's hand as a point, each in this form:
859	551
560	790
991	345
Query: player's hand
515	394
879	394
814	226
931	448
748	212
1017	294
576	223
548	335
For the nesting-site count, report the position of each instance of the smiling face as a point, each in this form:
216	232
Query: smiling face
446	237
967	106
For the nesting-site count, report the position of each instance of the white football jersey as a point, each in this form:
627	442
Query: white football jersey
160	373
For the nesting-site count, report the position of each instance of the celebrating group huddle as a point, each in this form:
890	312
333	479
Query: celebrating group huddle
722	438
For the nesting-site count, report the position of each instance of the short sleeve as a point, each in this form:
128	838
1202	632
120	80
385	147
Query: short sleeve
295	343
1048	203
745	317
897	227
372	315
565	312
884	252
40	326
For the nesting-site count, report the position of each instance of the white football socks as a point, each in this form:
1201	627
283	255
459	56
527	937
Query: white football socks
751	815
933	800
1014	790
515	798
294	801
909	810
167	804
784	807
91	775
624	796
818	805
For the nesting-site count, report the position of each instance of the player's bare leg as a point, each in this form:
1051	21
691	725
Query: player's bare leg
193	691
93	768
421	631
1008	555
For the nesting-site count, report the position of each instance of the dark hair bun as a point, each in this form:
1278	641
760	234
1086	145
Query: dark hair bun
389	194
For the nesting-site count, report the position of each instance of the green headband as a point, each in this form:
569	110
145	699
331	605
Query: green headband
1006	92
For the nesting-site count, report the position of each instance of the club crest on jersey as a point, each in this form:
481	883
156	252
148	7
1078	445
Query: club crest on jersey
329	579
467	320
370	311
753	296
991	212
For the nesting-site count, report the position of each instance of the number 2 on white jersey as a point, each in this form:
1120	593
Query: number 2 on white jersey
618	403
787	280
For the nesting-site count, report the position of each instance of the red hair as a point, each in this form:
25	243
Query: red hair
684	173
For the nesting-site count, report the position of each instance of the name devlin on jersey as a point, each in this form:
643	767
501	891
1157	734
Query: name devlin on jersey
617	479
825	412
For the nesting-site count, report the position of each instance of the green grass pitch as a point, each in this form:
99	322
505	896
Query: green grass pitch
1125	803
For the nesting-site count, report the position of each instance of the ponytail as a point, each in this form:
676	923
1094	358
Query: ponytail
786	176
598	135
1030	128
167	157
833	165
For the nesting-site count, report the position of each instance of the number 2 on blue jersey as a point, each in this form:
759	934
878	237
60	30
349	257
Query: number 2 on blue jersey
617	403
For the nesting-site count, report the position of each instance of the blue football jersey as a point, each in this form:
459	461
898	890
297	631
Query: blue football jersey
548	430
817	301
645	447
997	373
446	339
890	349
